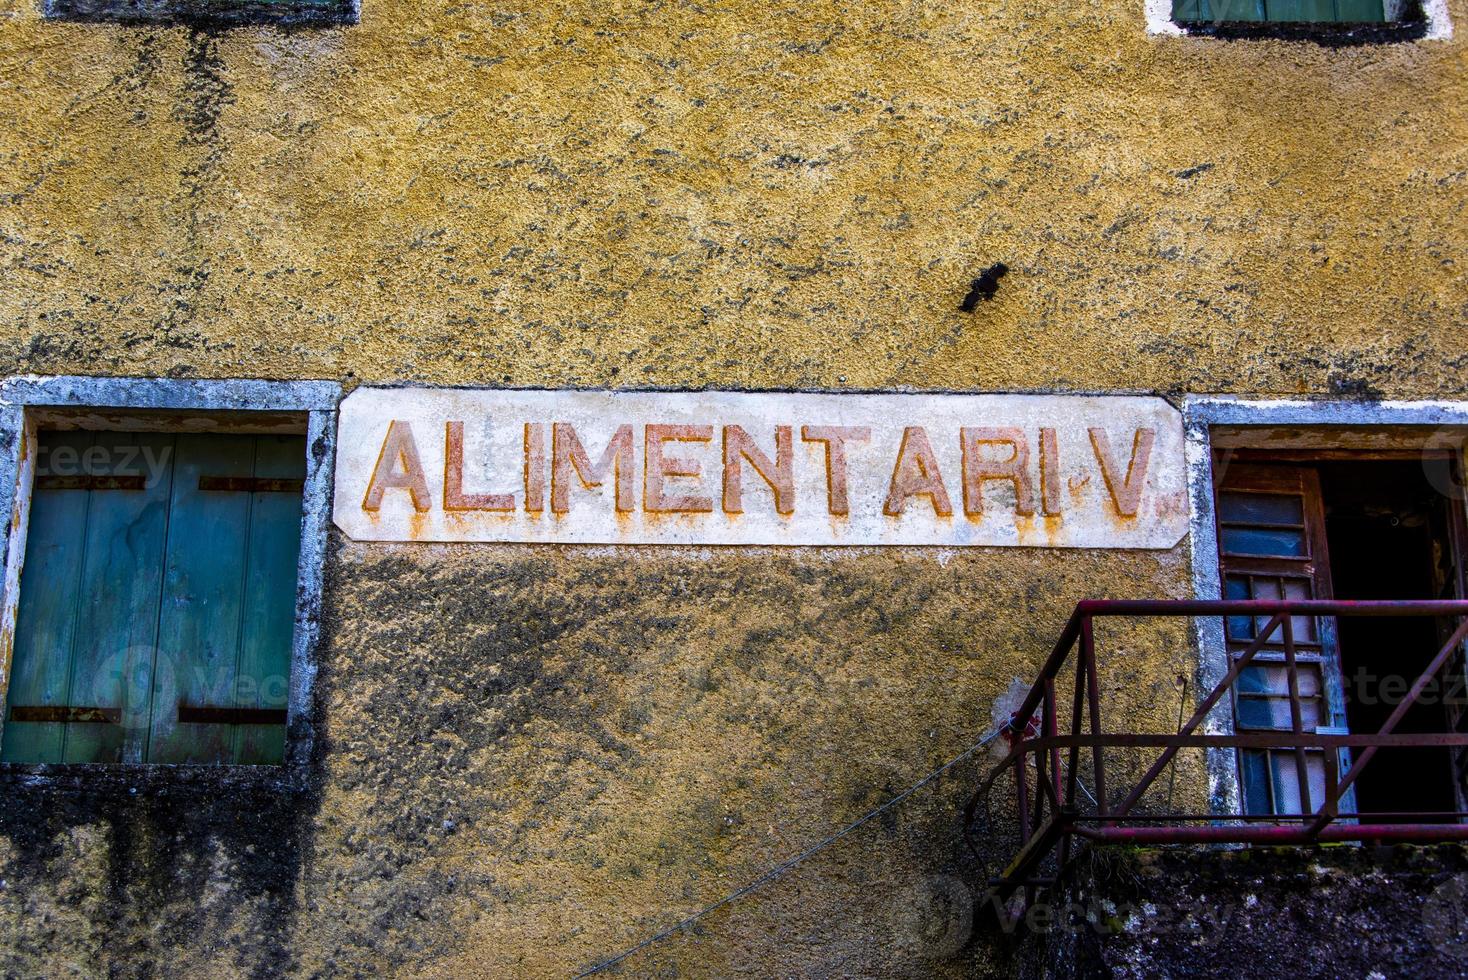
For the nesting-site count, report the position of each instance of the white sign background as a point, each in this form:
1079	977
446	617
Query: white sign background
1083	506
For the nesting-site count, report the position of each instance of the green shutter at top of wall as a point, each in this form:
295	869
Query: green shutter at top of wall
1279	11
157	605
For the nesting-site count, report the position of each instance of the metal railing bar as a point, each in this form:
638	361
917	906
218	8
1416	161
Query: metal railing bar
1033	853
1093	705
1053	663
1203	710
1418	686
1051	727
1297	725
1048	813
1213	818
1242	607
1111	834
1250	740
1077	703
1051	794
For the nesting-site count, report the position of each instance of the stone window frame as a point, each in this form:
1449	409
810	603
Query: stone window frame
208	13
1412	420
1428	21
25	400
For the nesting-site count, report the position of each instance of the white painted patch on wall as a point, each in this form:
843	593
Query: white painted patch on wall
760	469
1439	24
1159	18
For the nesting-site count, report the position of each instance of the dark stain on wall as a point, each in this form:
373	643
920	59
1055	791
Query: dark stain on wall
1410	25
284	14
205	96
158	863
529	759
544	755
167	870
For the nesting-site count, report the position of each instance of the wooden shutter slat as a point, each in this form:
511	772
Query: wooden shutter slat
46	617
72	714
203	588
117	612
270	597
251	484
94	482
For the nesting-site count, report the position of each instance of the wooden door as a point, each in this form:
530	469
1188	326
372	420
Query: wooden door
1272	545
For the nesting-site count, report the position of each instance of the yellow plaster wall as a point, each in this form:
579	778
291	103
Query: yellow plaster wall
535	757
733	195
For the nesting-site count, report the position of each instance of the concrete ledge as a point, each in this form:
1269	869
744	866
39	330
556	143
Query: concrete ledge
1341	910
171	393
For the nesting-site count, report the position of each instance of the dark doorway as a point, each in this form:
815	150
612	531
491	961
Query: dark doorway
1389	536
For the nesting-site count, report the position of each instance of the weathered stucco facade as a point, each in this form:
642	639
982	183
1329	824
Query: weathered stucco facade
533	757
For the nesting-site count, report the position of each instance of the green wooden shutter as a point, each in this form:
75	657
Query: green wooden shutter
1220	11
156	616
1360	11
1300	11
1278	11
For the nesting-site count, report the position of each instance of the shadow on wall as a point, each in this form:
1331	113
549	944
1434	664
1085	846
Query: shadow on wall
170	872
176	870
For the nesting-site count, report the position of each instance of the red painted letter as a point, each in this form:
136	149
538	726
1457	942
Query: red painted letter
780	474
569	457
1049	473
835	437
1015	469
1126	494
916	473
454	497
660	467
534	467
398	447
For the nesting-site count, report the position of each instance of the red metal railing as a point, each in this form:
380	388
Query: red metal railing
1046	764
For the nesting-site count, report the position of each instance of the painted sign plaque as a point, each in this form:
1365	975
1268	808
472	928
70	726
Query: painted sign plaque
725	468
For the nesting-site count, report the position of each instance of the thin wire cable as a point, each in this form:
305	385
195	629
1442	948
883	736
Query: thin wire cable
785	866
1081	783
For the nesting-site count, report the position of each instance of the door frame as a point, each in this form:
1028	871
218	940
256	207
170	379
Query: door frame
1220	422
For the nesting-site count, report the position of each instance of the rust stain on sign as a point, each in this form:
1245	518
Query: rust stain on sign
725	468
